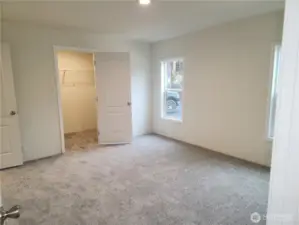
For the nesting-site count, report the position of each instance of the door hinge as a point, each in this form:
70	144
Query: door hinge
94	62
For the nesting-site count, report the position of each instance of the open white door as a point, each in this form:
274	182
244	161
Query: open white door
114	97
11	153
283	203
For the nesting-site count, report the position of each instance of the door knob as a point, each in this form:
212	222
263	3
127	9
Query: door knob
13	213
129	103
12	113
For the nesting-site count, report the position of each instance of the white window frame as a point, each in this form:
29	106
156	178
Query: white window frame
163	90
273	91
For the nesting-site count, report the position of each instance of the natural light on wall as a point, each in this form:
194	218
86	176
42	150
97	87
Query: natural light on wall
172	89
274	92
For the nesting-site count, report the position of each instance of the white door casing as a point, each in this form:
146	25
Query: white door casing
11	153
114	97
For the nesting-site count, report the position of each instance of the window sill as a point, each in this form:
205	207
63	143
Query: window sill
172	119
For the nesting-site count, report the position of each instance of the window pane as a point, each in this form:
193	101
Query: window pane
173	105
174	74
172	88
274	92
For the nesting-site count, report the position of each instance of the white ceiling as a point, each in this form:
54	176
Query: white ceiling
158	21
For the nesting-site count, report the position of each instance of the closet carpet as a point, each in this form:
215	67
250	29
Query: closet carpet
81	141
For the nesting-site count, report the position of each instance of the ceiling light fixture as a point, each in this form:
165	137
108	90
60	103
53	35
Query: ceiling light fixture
144	2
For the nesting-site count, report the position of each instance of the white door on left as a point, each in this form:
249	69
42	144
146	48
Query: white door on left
11	151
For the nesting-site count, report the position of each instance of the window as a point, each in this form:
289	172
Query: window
172	88
273	97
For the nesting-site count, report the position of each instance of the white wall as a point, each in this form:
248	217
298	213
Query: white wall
34	75
77	90
226	86
141	86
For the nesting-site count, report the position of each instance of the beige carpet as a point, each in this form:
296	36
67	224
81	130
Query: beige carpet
153	181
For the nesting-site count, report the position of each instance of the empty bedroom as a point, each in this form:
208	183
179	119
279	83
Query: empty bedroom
149	112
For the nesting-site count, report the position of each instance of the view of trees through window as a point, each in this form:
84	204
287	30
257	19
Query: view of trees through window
175	74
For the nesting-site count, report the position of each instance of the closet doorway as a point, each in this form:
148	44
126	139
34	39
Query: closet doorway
78	99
